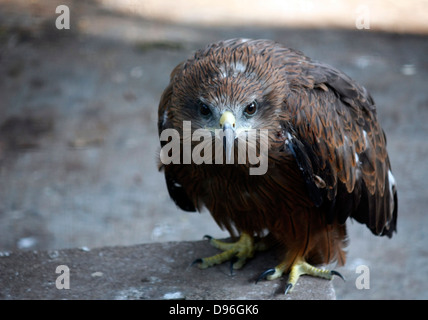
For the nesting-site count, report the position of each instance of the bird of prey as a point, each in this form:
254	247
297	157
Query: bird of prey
325	151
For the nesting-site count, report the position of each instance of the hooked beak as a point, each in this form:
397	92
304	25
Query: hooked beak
227	123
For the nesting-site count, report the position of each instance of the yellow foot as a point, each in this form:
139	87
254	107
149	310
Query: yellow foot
299	268
238	251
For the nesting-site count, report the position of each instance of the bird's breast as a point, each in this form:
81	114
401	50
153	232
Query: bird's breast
249	202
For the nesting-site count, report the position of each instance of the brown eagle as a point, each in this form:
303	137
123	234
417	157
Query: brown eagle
325	154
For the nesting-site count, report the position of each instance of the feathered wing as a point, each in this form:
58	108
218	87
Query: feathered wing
340	148
175	189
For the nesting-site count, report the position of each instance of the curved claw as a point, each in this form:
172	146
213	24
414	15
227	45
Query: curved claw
288	288
335	273
199	260
232	262
264	274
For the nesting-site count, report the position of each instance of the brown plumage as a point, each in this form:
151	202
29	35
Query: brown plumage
327	158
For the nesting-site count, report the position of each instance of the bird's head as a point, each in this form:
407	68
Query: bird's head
233	88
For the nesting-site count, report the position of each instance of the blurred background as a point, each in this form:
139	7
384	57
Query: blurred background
78	112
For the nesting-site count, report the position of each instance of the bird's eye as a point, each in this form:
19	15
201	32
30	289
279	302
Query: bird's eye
204	109
251	108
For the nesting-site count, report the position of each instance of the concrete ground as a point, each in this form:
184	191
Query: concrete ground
154	271
78	138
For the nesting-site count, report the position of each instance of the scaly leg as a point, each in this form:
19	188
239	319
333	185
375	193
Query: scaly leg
299	267
243	249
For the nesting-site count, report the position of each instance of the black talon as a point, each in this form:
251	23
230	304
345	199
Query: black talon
335	273
288	288
266	273
199	260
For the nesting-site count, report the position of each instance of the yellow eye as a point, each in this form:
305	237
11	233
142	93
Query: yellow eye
251	108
